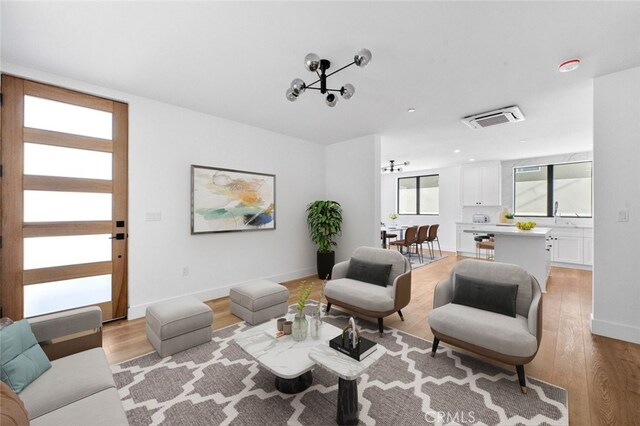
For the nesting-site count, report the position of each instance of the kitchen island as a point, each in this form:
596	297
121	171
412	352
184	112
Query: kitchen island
527	249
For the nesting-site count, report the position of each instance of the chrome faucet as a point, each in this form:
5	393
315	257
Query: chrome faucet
555	213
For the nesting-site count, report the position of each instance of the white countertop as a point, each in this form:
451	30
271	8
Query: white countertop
513	224
509	230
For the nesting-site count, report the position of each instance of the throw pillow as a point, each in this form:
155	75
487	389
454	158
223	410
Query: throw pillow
486	295
22	359
13	412
369	272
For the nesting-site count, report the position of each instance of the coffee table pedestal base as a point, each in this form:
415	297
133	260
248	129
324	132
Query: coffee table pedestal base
295	385
347	402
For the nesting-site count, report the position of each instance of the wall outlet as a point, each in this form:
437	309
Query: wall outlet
623	215
153	216
185	271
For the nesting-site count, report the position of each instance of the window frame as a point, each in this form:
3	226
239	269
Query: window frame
550	180
417	178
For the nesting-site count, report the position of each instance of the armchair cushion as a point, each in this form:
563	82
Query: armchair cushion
369	272
399	265
495	332
489	296
360	294
23	360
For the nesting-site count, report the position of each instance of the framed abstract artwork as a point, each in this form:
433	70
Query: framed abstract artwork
225	200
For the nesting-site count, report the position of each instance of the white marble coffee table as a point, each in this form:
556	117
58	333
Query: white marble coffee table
287	359
348	370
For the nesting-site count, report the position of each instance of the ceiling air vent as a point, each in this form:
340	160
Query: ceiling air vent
491	118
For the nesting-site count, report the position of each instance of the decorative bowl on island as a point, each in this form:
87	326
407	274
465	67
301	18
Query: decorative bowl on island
525	226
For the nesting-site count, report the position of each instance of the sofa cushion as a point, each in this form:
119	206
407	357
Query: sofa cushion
22	360
369	272
399	265
12	411
360	294
499	273
489	296
69	379
100	409
499	333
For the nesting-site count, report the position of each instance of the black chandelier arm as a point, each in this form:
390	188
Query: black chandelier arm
328	90
340	69
308	86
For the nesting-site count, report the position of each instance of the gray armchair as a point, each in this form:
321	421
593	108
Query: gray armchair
512	340
368	299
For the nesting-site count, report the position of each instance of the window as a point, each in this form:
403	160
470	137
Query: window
419	195
538	188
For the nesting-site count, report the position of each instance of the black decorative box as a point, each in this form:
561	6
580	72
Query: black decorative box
364	348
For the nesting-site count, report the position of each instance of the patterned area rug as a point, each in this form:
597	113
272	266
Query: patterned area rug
415	260
219	384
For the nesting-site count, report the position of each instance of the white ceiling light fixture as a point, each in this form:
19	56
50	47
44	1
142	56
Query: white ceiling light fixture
313	63
472	159
456	151
570	65
393	167
410	110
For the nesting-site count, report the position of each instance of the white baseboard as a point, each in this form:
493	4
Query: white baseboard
138	311
615	330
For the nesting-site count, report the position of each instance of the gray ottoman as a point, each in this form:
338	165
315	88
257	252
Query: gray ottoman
259	301
178	324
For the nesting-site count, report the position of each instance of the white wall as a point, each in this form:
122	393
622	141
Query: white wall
450	206
353	180
616	282
164	140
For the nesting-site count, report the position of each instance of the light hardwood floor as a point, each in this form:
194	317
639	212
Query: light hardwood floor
602	375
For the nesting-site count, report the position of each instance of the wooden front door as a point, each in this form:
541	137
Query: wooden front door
64	201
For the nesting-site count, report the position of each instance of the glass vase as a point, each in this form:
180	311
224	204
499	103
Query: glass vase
300	327
315	323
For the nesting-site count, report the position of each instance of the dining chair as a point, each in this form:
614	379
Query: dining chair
410	238
431	237
423	231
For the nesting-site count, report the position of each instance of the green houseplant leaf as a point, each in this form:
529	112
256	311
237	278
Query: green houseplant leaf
324	219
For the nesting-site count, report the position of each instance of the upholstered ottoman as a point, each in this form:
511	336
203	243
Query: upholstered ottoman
178	324
259	301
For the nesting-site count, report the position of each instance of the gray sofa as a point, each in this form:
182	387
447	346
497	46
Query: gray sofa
512	340
368	299
78	389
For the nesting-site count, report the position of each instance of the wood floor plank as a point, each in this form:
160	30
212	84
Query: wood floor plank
601	375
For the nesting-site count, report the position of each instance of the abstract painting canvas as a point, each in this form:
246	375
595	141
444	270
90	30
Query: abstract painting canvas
224	200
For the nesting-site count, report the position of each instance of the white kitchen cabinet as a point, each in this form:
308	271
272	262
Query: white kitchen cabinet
481	186
567	246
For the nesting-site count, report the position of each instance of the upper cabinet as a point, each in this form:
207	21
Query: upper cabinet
481	186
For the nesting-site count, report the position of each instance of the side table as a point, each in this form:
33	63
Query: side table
348	370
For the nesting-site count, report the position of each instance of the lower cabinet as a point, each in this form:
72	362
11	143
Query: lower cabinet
587	250
567	249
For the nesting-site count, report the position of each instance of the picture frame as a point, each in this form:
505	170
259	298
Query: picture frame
229	200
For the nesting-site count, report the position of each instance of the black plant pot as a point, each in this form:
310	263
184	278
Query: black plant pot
325	263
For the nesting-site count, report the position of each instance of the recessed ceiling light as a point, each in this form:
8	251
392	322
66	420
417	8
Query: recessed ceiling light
456	151
472	159
523	140
570	65
411	110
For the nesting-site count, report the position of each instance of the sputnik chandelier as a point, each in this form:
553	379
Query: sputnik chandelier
393	167
313	63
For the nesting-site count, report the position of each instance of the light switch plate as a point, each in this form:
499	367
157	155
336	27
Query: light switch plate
623	215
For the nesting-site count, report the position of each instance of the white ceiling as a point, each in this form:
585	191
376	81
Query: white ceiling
446	59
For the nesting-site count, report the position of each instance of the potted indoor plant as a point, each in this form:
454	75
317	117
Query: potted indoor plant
324	219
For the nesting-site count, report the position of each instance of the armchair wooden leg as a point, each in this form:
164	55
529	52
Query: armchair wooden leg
434	347
380	327
522	378
326	311
400	313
